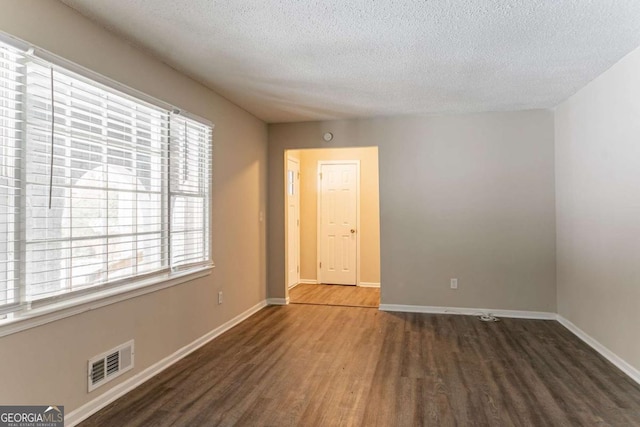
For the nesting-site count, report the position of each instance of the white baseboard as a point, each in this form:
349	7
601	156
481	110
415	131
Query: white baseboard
468	311
278	301
294	285
308	281
76	416
620	363
369	285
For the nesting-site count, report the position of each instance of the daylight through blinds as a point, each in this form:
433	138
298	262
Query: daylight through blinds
97	187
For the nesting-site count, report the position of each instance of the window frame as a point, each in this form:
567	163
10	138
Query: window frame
21	314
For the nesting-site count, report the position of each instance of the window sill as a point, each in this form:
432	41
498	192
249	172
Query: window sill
71	307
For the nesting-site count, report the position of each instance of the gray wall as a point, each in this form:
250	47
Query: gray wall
49	363
468	196
598	208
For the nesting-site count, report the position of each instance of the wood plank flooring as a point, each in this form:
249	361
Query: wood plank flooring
317	365
353	296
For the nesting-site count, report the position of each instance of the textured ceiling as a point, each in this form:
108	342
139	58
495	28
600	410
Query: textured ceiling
323	59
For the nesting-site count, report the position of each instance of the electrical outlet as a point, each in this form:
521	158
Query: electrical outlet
454	283
220	297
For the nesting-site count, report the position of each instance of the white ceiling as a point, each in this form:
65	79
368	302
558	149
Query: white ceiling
322	59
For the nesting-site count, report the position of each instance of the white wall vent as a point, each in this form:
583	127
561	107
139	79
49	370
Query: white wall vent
110	364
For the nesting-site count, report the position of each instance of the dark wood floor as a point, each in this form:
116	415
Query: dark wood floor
352	296
315	365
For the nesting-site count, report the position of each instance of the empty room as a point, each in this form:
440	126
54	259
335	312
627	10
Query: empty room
319	213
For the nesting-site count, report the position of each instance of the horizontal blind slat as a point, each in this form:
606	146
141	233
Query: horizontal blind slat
11	154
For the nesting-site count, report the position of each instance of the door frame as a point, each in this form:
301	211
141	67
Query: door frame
286	220
319	215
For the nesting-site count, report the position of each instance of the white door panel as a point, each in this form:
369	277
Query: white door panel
338	223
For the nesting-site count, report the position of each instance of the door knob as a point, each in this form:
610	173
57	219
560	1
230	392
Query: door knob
353	230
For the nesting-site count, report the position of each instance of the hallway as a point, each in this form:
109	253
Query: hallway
352	296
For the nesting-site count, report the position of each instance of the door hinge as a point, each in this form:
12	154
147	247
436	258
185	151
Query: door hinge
320	264
298	222
298	175
298	269
320	175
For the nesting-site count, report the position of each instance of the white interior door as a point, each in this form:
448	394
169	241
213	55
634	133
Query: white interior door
338	204
293	222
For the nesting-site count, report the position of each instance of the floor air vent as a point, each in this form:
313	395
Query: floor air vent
110	365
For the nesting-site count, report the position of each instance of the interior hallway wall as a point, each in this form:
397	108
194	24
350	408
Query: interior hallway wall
461	196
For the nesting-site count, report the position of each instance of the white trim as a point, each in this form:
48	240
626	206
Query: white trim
543	315
93	406
620	363
278	301
319	214
369	284
71	307
358	227
294	285
308	281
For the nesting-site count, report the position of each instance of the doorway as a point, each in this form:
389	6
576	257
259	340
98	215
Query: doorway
338	224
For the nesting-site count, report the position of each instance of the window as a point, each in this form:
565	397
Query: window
97	188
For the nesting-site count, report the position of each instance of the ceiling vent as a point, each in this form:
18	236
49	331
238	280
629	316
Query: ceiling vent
110	364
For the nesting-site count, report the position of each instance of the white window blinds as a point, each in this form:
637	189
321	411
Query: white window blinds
189	191
97	188
12	76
